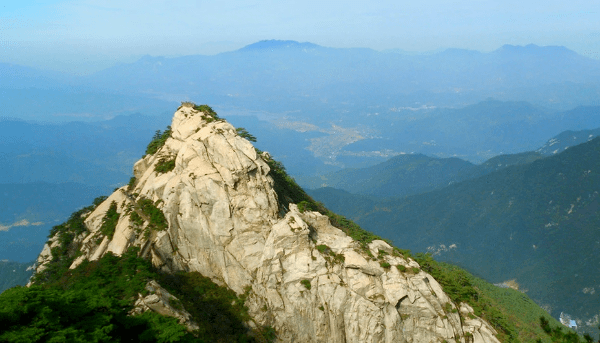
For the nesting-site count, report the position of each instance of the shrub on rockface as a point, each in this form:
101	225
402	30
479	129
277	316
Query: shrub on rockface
219	312
87	304
110	220
157	217
242	132
131	184
288	191
210	114
67	250
158	141
165	164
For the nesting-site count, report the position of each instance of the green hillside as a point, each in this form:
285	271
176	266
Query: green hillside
405	175
401	175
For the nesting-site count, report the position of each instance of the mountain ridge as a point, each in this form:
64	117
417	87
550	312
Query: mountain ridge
533	223
189	208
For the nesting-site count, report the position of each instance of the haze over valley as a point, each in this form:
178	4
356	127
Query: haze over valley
482	153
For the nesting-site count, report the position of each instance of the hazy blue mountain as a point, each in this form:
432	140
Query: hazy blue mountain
13	274
345	203
40	201
67	105
405	175
31	94
19	77
267	70
30	210
100	154
401	175
279	44
535	223
567	139
365	106
497	163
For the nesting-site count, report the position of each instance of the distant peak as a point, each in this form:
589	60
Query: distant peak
532	48
278	44
150	58
459	52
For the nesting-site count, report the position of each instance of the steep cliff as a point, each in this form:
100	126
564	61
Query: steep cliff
205	201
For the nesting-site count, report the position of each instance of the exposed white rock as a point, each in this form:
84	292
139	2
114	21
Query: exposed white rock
161	301
224	222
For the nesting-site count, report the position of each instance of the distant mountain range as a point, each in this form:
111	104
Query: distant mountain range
534	222
320	110
346	107
406	175
409	174
100	154
566	140
270	69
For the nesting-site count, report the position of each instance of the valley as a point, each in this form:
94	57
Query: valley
539	214
490	170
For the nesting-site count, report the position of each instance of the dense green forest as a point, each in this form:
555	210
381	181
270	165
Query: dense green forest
91	304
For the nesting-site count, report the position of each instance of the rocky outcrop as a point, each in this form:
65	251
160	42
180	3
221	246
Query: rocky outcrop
306	278
161	301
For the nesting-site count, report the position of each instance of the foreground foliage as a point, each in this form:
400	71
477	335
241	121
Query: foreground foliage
91	302
88	304
557	334
219	312
158	141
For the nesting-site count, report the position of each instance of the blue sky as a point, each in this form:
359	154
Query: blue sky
82	36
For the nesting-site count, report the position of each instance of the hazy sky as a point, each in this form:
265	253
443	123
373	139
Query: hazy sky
86	35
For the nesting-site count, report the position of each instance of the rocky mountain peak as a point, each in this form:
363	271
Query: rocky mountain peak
204	200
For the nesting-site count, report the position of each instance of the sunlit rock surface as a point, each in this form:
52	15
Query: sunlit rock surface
224	222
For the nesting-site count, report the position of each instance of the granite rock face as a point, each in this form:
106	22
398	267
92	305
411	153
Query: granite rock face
305	277
161	301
